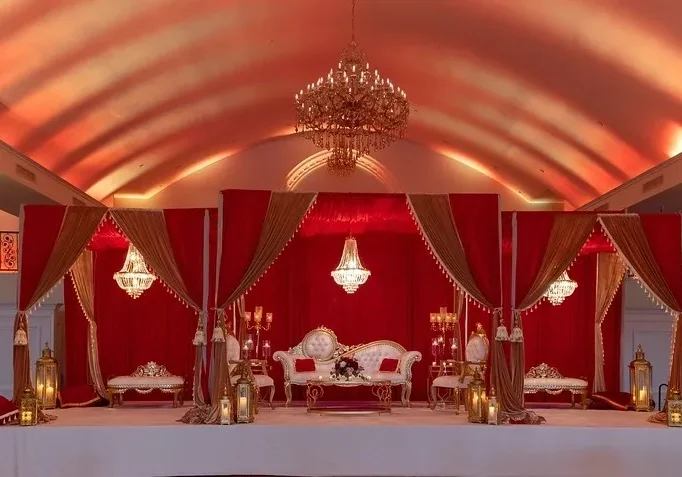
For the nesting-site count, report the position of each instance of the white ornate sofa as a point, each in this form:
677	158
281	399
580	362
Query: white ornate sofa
544	378
324	348
457	381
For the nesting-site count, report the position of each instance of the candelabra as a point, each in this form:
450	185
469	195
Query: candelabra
256	323
443	321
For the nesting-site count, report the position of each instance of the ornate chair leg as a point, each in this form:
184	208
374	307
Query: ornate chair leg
175	399
287	393
572	400
110	396
434	397
403	394
408	392
457	397
583	400
272	396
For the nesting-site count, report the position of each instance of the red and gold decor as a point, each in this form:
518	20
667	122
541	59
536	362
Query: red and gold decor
9	252
134	278
350	273
245	395
640	382
493	409
255	322
675	409
47	379
352	111
28	408
477	400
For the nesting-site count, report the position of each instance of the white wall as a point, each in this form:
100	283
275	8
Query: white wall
8	222
41	327
647	325
265	166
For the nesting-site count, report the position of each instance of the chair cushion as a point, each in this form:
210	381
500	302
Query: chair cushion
395	378
451	382
554	383
615	400
263	381
304	365
144	382
8	411
389	365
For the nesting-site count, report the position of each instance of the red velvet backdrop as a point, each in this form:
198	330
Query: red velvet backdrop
155	327
406	283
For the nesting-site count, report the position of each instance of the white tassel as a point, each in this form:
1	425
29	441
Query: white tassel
20	338
218	335
502	333
516	335
199	338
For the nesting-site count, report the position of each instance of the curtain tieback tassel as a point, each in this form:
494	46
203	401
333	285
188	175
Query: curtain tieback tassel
199	338
502	334
516	335
20	338
218	335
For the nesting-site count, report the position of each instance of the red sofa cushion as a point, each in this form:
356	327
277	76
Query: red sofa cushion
304	365
389	365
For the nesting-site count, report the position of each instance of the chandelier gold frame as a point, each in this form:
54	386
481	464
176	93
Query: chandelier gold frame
352	111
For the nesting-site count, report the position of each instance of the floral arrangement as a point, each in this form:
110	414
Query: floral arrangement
347	368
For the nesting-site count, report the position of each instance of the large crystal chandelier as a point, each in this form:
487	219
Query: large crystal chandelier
352	111
561	289
134	277
350	273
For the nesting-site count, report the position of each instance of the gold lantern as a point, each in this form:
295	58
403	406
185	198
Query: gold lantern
477	399
675	409
493	409
46	379
28	408
640	382
226	408
245	396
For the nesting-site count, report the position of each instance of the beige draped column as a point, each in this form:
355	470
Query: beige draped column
83	281
610	272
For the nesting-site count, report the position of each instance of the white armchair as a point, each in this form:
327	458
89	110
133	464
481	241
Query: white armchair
262	379
323	348
476	355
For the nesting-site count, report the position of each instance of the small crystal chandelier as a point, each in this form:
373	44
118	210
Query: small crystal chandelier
134	277
350	273
560	289
352	111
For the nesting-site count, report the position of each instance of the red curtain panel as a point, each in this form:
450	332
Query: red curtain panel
664	234
76	336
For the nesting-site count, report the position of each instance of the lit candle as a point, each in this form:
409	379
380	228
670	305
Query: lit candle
320	378
247	316
474	399
39	390
492	412
642	396
268	317
49	393
242	402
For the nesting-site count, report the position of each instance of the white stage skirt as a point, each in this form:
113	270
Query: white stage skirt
147	442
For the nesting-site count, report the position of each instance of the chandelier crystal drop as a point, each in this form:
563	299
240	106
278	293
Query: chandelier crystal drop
134	278
352	111
561	289
350	273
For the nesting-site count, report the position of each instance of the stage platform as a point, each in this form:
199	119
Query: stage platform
144	440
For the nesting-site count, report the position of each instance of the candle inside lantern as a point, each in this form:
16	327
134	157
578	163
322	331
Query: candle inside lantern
247	316
39	390
49	393
268	317
242	402
642	396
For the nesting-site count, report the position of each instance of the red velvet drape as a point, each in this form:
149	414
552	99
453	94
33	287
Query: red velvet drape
76	336
664	234
155	327
405	286
39	231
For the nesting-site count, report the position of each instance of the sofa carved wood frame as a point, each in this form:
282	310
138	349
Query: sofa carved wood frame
322	345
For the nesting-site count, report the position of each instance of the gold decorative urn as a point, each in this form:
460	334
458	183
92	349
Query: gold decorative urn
640	382
46	379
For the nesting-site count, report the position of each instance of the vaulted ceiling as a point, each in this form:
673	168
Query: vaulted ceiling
554	99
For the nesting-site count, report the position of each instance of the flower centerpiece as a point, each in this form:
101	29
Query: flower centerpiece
347	368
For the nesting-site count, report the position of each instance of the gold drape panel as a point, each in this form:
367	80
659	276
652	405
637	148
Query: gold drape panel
610	271
569	233
147	231
83	280
78	226
437	225
627	235
285	213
